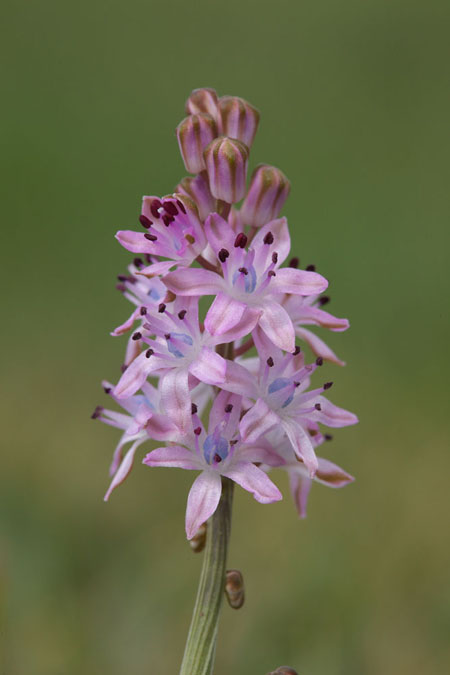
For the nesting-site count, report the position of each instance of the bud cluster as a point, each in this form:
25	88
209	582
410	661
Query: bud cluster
264	412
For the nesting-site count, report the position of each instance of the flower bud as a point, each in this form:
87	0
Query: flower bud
234	588
198	190
283	670
269	189
198	541
238	119
194	133
202	101
226	163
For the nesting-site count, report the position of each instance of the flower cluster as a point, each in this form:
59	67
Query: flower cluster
235	360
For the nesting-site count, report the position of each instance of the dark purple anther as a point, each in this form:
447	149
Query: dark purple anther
182	314
143	311
170	208
194	409
324	300
145	222
296	351
197	431
149	353
319	361
240	241
150	237
137	336
270	362
156	204
327	385
97	412
294	262
161	308
318	406
311	268
181	205
243	270
228	407
268	239
223	255
275	258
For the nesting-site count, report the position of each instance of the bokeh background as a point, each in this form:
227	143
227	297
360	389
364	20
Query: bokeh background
354	97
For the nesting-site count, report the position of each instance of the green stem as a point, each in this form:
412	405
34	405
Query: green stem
201	642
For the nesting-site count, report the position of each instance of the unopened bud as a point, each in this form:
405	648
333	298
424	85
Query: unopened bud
234	589
198	541
194	133
269	189
198	190
238	119
283	670
202	101
226	163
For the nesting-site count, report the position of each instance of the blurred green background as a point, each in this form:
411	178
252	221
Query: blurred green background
354	97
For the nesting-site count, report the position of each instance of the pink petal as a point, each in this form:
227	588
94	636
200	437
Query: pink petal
277	325
239	380
161	428
257	421
261	452
332	475
254	480
290	280
224	314
123	470
127	325
135	241
202	501
318	346
302	445
209	367
300	487
155	269
194	281
325	319
282	242
219	233
244	327
173	456
135	375
175	398
333	416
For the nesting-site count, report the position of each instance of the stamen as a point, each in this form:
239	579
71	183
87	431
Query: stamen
296	351
275	258
145	222
223	255
150	237
240	241
296	383
294	262
217	458
319	361
311	268
167	219
161	308
149	353
268	239
154	208
167	336
270	362
107	390
324	300
194	409
318	406
97	412
328	437
143	311
137	336
189	238
327	385
228	407
182	314
170	208
138	262
122	277
243	270
271	273
123	368
181	205
197	431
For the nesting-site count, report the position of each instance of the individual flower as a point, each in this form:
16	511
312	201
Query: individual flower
172	230
177	350
217	452
251	278
283	399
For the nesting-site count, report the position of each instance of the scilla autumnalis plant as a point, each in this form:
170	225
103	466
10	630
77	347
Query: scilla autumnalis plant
231	396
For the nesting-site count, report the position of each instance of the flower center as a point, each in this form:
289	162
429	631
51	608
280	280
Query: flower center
249	274
275	391
175	343
215	448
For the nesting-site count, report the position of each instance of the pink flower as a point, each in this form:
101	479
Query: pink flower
283	399
173	231
217	452
248	279
181	354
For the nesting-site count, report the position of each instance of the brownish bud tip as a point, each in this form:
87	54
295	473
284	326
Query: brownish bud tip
234	588
198	541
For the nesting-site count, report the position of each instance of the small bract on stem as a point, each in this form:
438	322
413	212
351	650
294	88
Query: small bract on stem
232	397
